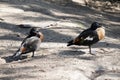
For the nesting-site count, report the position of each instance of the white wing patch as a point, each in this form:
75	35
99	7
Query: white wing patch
89	38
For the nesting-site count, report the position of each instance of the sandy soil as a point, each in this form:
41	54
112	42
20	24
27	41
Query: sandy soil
59	24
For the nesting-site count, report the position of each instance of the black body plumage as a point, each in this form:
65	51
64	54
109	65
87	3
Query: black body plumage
89	36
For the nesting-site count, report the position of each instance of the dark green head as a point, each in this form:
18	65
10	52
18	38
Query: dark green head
95	25
34	31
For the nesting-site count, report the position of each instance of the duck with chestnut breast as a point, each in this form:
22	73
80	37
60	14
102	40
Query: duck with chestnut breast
89	36
30	44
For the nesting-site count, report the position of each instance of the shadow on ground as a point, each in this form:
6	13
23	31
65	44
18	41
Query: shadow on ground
71	53
76	13
13	71
76	54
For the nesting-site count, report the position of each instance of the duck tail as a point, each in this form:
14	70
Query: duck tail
70	43
17	54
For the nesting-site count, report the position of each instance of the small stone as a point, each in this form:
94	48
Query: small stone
107	44
42	70
2	61
18	35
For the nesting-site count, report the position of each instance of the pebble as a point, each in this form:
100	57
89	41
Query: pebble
2	61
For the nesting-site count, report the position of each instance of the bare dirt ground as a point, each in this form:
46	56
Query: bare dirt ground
59	24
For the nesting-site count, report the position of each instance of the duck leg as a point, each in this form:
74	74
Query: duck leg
90	50
33	54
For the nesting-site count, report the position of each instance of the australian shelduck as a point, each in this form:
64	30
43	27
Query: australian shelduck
30	44
89	36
